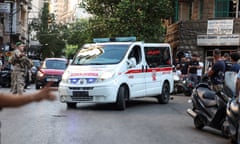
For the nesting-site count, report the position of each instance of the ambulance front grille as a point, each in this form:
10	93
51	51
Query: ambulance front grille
81	96
81	88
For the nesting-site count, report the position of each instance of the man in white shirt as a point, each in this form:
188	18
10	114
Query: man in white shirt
200	69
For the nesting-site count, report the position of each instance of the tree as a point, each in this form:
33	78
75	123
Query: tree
50	35
75	34
142	18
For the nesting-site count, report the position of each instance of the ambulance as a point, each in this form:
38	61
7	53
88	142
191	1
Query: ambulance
116	70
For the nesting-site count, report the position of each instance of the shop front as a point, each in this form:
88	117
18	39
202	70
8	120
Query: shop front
227	44
219	35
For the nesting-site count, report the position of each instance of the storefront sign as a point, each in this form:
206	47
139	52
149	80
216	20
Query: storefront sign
220	27
218	40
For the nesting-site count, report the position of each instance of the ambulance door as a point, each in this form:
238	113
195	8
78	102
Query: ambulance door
136	74
158	60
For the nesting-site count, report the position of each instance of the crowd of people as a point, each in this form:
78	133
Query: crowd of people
192	68
189	67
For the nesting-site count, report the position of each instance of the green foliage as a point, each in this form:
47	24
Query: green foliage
71	51
78	33
49	35
142	18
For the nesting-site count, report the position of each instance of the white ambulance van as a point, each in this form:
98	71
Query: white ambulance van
118	71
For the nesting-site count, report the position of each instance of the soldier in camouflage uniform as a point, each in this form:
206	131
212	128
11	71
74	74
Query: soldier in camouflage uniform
19	61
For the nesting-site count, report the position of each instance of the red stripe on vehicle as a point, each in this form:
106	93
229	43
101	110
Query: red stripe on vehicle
164	69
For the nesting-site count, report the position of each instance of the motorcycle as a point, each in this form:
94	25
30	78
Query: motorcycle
177	81
232	123
208	108
183	85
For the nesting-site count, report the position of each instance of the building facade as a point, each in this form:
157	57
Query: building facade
14	22
199	26
67	11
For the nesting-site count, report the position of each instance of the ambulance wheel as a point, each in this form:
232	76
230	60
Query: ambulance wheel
71	105
37	86
165	96
121	98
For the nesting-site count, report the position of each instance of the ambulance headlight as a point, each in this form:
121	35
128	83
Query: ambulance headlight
65	77
106	76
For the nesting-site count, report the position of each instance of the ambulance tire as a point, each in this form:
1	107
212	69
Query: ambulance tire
165	96
71	105
121	101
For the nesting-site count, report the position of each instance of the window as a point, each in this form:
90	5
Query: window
225	8
136	53
201	9
158	56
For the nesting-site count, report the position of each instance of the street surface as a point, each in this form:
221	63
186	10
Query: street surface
143	122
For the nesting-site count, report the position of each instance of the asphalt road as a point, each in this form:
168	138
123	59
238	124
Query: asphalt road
143	122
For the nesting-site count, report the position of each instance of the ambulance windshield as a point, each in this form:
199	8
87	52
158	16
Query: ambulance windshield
100	54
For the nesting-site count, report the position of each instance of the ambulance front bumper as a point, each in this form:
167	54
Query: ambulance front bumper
87	94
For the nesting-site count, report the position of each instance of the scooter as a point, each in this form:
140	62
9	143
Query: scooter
187	86
177	81
183	85
208	108
232	123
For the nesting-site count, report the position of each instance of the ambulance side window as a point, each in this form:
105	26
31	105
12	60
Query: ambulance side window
136	53
158	56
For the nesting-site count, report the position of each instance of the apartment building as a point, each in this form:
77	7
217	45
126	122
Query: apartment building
202	25
67	11
14	22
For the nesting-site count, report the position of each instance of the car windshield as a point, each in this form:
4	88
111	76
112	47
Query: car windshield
100	54
55	64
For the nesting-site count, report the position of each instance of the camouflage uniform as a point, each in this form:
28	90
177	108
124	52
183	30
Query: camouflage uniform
19	72
12	74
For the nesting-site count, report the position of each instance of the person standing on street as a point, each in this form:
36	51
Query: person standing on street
184	67
235	67
192	69
216	73
200	69
19	62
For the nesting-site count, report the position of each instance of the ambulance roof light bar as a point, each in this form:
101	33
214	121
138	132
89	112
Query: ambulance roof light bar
116	39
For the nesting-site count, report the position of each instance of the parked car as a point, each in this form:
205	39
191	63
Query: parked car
5	76
34	69
51	70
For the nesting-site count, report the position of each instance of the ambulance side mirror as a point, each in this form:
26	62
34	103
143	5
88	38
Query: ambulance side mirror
132	62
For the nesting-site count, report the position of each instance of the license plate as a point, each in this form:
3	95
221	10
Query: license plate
52	79
80	93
